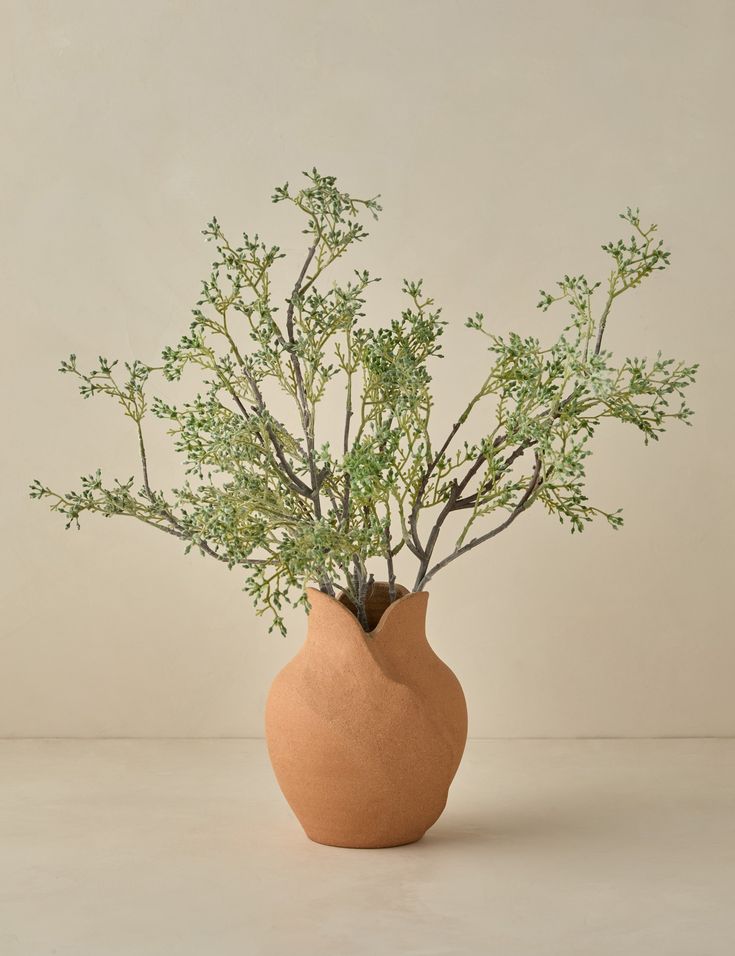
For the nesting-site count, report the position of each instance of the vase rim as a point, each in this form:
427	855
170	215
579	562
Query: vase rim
405	599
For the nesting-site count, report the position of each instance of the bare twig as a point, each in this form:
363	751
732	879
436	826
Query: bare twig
603	317
416	546
533	486
389	562
296	291
423	485
346	435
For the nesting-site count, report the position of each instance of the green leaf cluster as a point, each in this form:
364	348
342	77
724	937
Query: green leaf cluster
289	506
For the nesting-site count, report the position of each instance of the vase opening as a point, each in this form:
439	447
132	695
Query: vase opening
377	602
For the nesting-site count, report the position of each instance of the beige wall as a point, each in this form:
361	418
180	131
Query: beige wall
504	138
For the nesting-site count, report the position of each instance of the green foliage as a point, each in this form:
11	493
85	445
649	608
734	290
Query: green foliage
269	497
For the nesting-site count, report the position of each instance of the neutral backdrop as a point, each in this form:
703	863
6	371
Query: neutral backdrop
504	139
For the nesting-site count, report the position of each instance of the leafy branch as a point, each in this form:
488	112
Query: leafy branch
289	504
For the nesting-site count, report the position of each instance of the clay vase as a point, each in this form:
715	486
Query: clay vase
365	730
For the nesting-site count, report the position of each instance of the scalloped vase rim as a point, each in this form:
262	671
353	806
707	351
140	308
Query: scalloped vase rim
387	613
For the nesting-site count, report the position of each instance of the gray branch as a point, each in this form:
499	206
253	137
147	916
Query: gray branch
533	486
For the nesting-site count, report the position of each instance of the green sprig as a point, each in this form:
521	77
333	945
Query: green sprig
278	500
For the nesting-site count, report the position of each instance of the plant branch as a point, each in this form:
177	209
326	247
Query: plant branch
431	468
157	502
533	486
605	313
389	562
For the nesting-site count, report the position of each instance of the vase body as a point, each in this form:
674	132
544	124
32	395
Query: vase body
366	730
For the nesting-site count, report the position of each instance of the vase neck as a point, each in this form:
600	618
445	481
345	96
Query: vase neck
334	629
377	602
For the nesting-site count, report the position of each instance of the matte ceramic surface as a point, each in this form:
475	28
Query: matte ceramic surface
365	731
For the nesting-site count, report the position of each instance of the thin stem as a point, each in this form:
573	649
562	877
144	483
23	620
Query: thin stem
533	486
359	588
431	468
176	528
202	545
346	434
307	420
605	313
470	501
389	562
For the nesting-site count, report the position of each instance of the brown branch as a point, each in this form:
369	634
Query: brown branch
306	421
241	407
389	562
533	486
348	419
143	461
456	502
469	501
200	543
415	547
365	591
359	587
346	436
317	477
346	500
176	528
296	290
455	495
418	500
298	485
603	318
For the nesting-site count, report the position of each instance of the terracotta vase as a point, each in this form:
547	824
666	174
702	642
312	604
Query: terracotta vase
365	730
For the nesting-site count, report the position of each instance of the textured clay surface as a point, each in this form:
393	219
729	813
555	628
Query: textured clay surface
366	730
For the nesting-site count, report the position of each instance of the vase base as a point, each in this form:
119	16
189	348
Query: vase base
359	844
